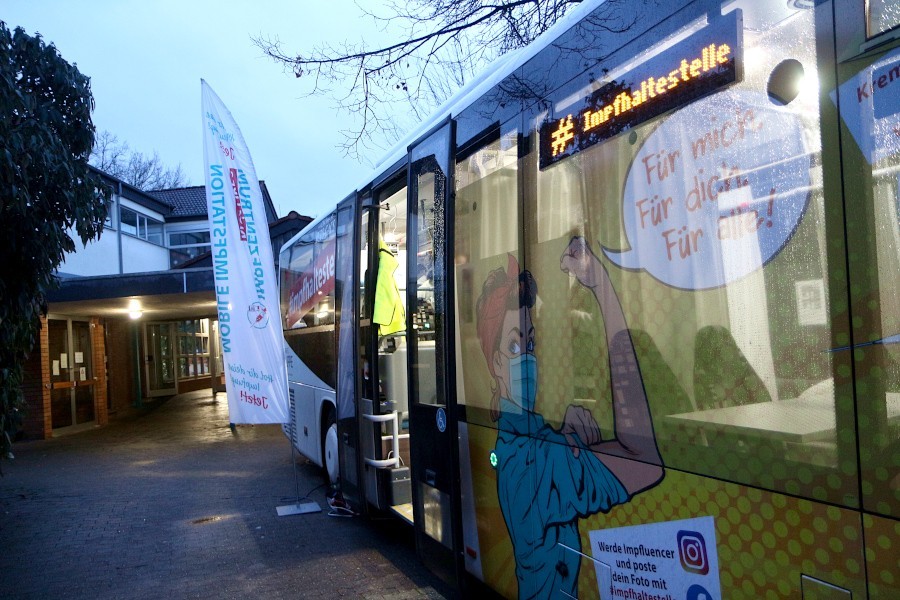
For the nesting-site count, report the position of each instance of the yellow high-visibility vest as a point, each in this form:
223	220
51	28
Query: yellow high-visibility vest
388	312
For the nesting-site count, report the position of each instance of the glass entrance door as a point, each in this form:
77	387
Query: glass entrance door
432	408
83	372
71	373
159	341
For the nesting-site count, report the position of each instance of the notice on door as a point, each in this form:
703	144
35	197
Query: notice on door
660	561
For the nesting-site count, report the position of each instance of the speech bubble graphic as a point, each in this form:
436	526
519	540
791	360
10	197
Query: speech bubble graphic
715	192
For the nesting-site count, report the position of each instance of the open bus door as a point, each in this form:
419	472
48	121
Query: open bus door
432	401
345	440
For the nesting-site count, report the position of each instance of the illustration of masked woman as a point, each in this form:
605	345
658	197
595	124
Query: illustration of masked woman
549	478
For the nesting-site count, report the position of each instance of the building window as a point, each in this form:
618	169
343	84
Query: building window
109	222
186	245
142	226
193	348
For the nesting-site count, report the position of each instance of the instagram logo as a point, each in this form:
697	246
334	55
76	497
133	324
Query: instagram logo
692	552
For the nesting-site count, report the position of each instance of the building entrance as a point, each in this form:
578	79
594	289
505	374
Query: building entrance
72	379
160	345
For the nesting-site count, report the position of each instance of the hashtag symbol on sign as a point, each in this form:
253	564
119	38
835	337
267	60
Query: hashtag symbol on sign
563	135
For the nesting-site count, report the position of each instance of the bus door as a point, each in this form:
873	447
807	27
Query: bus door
366	377
432	399
348	320
382	347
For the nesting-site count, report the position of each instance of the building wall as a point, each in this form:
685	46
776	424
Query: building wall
102	256
36	423
141	256
99	257
98	349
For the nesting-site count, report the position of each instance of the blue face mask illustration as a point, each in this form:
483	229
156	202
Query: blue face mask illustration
523	380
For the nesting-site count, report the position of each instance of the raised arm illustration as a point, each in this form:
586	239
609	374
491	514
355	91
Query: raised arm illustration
635	438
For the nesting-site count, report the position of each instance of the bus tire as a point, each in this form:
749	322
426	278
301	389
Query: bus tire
330	448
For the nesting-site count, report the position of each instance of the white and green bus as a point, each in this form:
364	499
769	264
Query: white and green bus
622	319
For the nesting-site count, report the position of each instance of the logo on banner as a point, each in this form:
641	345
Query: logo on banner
258	315
238	207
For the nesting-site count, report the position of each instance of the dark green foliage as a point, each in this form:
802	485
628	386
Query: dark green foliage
46	190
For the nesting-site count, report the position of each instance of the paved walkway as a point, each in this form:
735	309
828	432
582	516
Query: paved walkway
170	503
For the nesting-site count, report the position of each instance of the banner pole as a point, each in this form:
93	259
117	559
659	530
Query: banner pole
245	282
299	507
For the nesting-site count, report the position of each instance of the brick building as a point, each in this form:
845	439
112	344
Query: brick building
134	317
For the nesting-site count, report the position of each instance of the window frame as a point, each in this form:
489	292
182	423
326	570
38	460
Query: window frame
186	248
193	334
142	227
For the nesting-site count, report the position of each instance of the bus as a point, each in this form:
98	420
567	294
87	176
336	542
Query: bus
622	319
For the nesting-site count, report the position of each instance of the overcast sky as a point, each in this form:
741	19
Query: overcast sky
145	60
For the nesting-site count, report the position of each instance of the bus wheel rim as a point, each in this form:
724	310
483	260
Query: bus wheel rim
331	453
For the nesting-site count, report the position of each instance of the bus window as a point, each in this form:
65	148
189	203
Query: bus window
487	229
364	300
307	292
365	359
427	318
883	15
710	223
871	161
877	336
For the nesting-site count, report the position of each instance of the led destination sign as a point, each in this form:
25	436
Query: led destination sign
695	67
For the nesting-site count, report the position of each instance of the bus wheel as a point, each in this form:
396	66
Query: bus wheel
330	452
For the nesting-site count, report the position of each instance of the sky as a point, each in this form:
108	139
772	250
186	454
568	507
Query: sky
146	60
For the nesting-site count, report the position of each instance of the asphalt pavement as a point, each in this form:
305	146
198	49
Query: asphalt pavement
170	502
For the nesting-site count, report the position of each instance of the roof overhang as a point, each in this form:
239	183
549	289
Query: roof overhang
160	295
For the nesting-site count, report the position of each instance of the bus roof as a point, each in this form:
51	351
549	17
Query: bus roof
482	83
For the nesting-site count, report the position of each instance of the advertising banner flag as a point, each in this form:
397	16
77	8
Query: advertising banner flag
243	271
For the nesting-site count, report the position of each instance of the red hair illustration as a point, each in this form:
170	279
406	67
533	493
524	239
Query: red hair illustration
503	291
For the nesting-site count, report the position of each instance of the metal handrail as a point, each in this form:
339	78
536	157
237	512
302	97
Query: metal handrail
386	463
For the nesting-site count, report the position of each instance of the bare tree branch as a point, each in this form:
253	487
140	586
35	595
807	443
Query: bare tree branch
143	172
443	44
